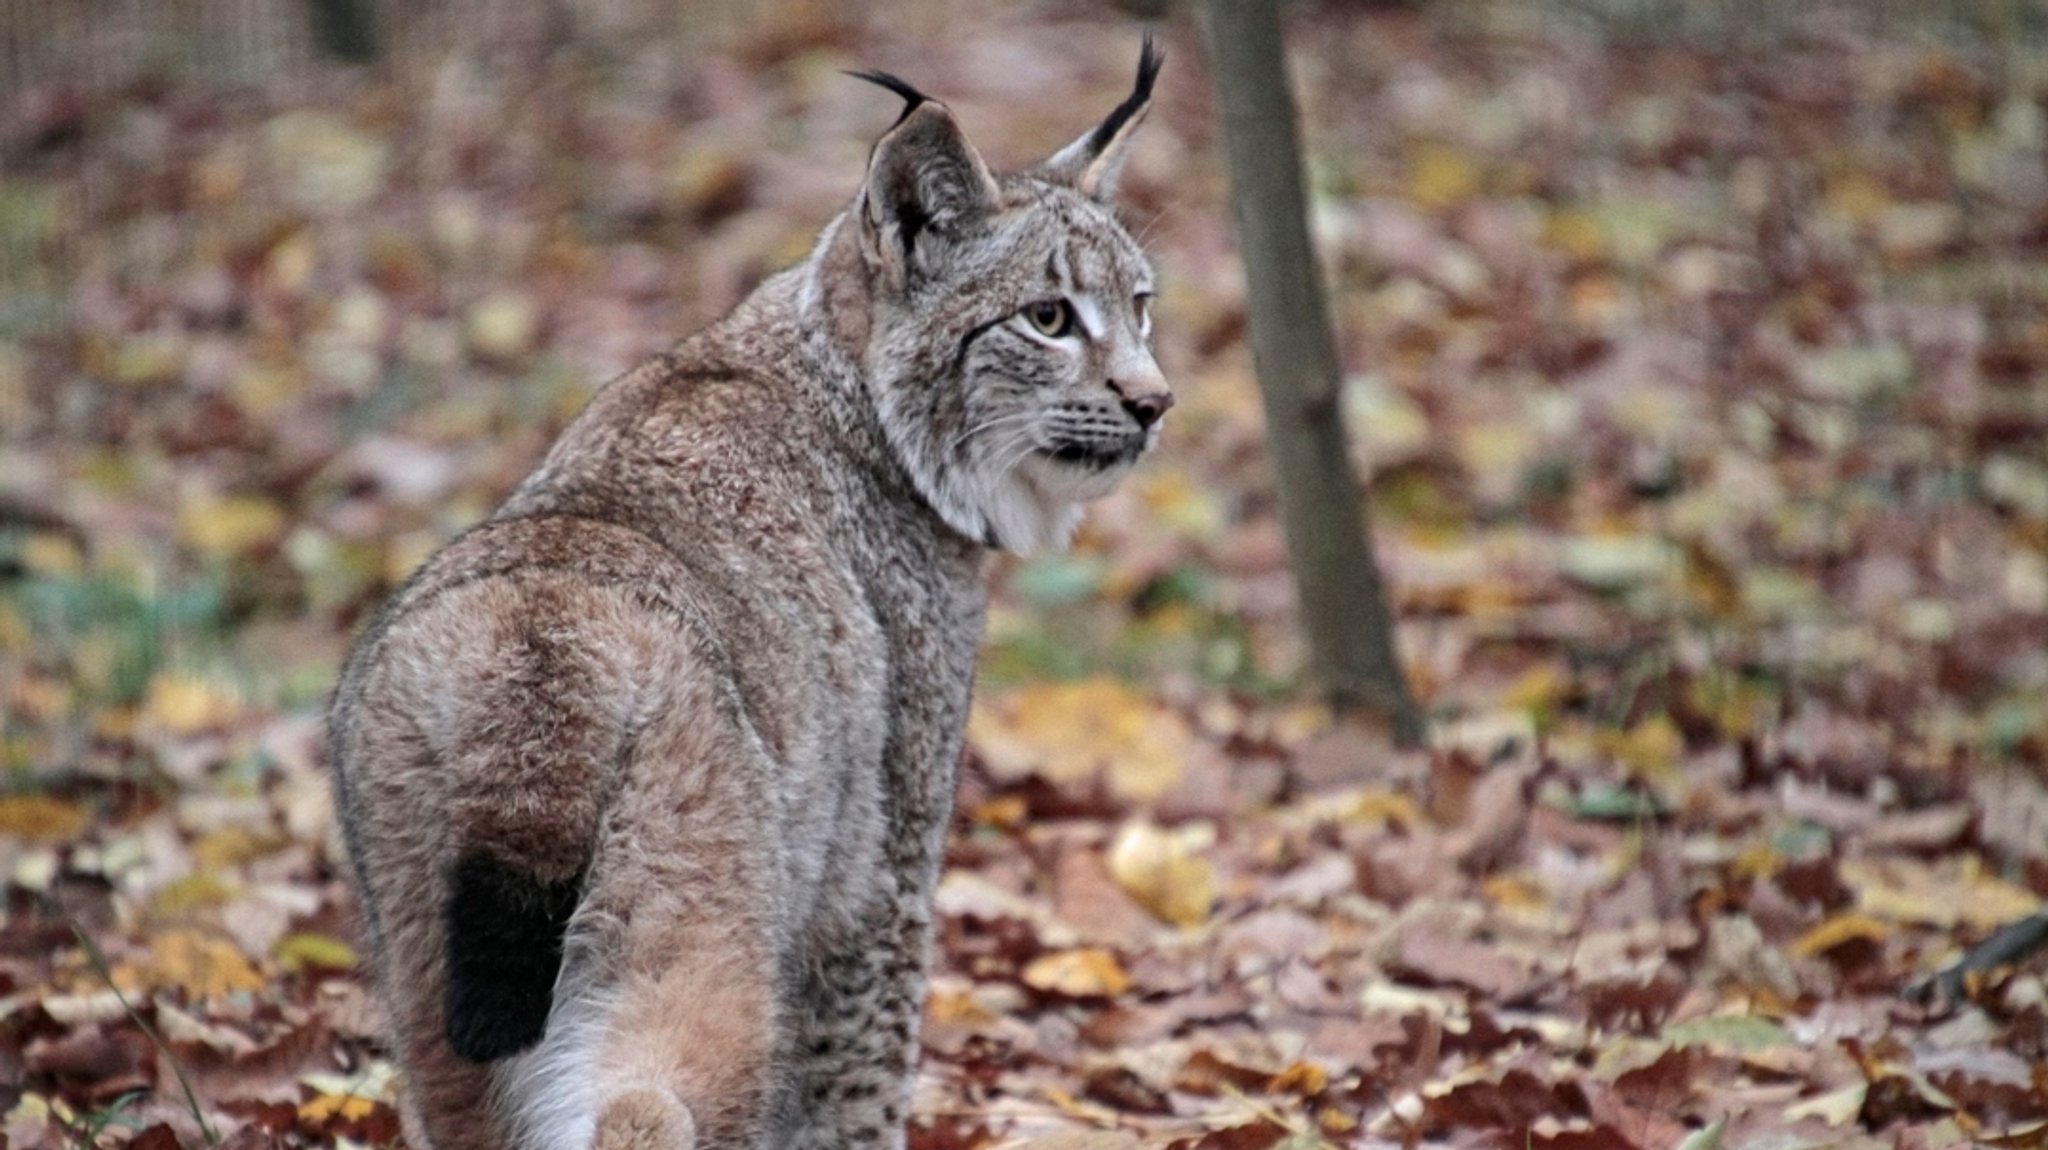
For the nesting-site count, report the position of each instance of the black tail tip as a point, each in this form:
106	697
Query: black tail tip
504	932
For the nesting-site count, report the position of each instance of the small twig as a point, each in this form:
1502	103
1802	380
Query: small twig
106	973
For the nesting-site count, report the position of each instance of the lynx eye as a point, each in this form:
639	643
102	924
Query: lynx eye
1054	318
1142	303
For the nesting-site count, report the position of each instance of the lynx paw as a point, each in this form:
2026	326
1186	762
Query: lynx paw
648	1118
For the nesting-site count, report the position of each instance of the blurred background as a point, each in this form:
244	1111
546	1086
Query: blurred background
1696	369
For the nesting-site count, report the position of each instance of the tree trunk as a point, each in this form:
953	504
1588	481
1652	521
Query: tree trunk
346	30
1343	607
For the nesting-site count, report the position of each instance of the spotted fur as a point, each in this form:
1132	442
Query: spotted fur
646	778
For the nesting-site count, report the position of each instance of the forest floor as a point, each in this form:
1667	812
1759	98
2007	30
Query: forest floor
1702	395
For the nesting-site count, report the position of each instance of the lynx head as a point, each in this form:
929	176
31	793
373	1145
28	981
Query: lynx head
1008	328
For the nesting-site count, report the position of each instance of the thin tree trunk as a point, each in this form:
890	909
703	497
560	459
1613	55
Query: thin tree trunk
1343	607
346	30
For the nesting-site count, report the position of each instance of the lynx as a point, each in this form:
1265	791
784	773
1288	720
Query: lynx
646	778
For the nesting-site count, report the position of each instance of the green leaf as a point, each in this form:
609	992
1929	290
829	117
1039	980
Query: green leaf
1739	1033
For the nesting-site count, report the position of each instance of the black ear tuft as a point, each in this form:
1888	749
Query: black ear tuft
897	84
1150	59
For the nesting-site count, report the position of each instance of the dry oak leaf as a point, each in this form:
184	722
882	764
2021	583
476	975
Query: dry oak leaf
223	527
40	818
1069	733
1835	931
200	965
1954	892
1163	870
184	705
1085	972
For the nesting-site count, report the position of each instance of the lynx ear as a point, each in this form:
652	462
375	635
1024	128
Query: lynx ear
1090	164
923	177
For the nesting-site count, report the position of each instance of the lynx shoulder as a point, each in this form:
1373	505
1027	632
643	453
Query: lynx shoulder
645	778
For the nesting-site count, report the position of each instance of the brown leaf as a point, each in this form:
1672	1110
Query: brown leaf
90	1056
1137	1024
1436	958
1663	1084
1511	1104
1255	1136
1119	1089
947	1132
1087	898
1204	1073
157	1137
1639	1007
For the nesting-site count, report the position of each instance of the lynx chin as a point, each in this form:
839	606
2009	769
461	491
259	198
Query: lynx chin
646	778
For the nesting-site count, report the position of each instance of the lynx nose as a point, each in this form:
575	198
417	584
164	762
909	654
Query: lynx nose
1137	381
1147	407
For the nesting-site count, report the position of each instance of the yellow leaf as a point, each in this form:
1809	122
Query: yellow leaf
1836	930
263	389
1650	749
40	818
1005	812
184	705
1498	453
1083	1139
1836	1108
49	553
149	359
1303	1078
220	527
1538	689
230	847
200	965
1952	893
326	1107
180	897
306	949
503	326
1858	197
1178	500
946	1006
1383	808
1755	861
1440	176
1068	733
1515	892
1088	972
1163	872
1576	234
15	636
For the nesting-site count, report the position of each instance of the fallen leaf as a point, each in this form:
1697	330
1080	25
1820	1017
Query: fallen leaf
224	527
1837	930
41	819
1162	870
198	964
1086	972
1069	733
1955	892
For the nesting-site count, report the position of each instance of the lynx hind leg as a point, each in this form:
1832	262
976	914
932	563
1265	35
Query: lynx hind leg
668	1023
